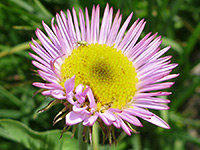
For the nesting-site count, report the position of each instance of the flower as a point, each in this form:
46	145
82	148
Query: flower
100	73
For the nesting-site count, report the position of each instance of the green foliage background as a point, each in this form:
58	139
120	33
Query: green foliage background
178	21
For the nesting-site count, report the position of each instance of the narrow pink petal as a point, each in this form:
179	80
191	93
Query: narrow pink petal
150	105
141	46
115	110
82	25
69	84
89	121
122	30
52	26
168	77
117	124
129	35
91	98
63	31
46	93
152	78
104	119
108	25
154	87
43	68
80	94
160	53
135	39
139	112
65	49
69	34
48	76
69	98
79	89
52	50
97	23
131	119
76	25
124	126
55	70
73	118
132	35
140	60
114	29
93	32
49	86
58	94
144	95
155	100
52	36
88	38
40	60
158	121
168	67
71	26
153	65
78	109
80	98
109	115
41	52
103	32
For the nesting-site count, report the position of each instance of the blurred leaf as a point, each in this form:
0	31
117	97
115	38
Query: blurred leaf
175	46
10	113
17	48
136	142
195	123
188	91
186	137
10	96
18	132
43	9
192	40
23	4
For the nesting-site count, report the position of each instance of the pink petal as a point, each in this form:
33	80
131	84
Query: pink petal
125	127
58	94
150	105
158	121
91	99
73	118
109	115
79	109
129	118
90	120
69	85
104	119
49	86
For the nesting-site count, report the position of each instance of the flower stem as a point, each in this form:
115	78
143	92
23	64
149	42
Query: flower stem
82	144
95	137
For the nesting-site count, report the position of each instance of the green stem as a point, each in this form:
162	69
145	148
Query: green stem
95	137
82	145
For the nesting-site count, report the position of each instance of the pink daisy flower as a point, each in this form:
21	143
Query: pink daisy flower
100	73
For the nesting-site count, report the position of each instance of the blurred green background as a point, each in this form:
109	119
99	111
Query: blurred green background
178	21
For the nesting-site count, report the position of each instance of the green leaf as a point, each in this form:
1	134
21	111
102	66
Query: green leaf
192	40
17	48
175	46
15	100
18	132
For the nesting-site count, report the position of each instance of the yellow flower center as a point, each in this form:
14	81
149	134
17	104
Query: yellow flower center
109	73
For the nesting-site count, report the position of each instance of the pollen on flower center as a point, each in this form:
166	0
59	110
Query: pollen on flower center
109	73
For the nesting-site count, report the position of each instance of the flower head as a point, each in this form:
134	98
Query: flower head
100	73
